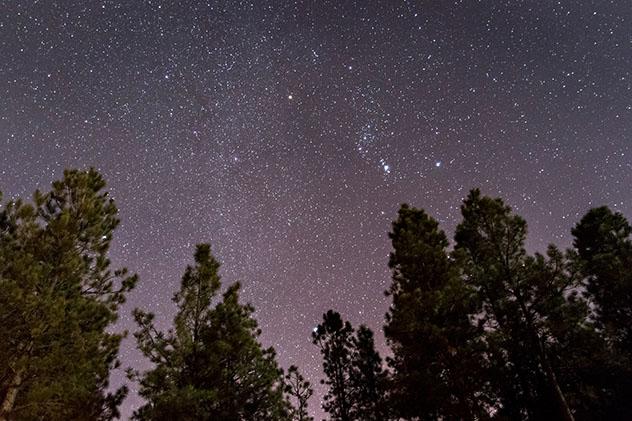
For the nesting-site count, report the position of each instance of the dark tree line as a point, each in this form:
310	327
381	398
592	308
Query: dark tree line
480	330
486	331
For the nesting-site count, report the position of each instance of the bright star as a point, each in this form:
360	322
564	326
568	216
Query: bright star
385	166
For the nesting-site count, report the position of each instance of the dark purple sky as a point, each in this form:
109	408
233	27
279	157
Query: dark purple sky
286	133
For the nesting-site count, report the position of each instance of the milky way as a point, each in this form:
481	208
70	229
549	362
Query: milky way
287	133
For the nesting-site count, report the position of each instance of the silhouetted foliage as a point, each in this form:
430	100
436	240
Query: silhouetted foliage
604	247
367	378
436	354
355	379
489	331
521	299
604	255
211	367
334	338
58	300
482	331
298	390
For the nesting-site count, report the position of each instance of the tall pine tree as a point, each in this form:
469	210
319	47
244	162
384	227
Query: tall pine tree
436	356
604	255
211	367
488	331
298	390
522	298
367	379
538	324
602	241
58	300
334	338
356	380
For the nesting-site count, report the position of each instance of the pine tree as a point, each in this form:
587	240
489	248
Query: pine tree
603	252
334	338
298	390
516	304
604	247
58	300
356	379
367	378
211	367
488	331
436	356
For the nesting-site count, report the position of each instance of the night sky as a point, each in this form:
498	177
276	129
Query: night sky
287	133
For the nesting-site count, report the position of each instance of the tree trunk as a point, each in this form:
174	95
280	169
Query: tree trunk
565	410
11	395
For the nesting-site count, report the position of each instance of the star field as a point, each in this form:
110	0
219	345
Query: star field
287	133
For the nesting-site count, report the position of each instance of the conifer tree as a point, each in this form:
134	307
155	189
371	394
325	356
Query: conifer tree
519	296
355	377
603	252
298	390
602	241
58	299
367	378
489	331
334	338
211	367
436	356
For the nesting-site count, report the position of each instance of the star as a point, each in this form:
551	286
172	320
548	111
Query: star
211	129
385	167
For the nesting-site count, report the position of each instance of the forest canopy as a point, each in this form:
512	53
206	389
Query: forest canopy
483	330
